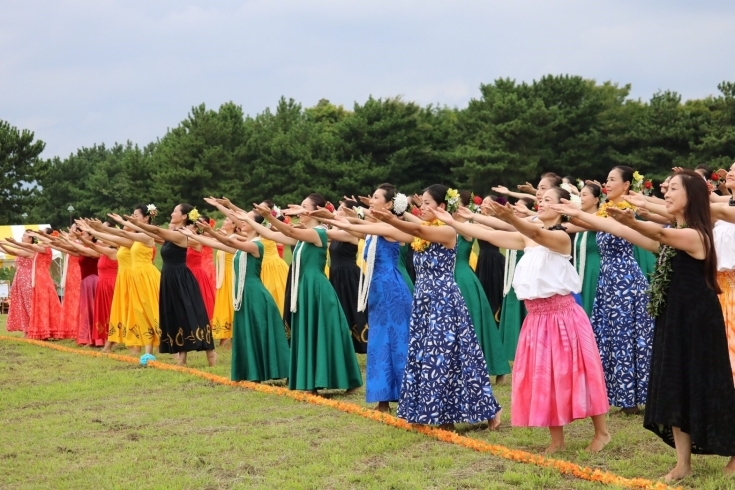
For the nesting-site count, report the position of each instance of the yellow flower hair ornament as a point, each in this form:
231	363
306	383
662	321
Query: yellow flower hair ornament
193	215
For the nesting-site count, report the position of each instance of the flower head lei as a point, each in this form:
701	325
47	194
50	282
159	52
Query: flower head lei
400	204
421	245
573	198
641	184
193	215
152	210
452	199
276	212
475	203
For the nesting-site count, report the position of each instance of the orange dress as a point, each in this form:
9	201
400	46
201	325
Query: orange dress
45	306
194	263
72	296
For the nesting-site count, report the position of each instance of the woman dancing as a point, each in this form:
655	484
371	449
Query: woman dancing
446	379
557	373
21	291
183	318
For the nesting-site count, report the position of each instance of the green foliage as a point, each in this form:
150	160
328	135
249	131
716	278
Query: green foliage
19	165
510	134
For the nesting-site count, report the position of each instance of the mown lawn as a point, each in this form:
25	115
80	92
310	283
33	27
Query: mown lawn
77	422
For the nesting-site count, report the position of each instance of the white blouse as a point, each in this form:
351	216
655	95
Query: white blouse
724	234
542	273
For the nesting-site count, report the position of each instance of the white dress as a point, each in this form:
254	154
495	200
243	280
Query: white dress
542	273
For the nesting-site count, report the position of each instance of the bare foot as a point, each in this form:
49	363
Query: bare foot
729	470
383	407
598	443
212	358
500	380
678	473
495	422
554	448
632	410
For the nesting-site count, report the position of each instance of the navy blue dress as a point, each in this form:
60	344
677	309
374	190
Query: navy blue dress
389	313
621	323
446	379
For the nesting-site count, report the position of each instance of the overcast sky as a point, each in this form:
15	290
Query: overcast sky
94	71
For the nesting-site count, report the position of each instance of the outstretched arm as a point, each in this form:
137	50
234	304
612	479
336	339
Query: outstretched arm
503	239
380	229
168	235
685	239
17	252
435	234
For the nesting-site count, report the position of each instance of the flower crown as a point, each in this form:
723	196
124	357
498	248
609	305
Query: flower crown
640	184
400	204
193	215
152	210
452	199
475	203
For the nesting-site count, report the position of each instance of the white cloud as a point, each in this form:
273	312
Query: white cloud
86	72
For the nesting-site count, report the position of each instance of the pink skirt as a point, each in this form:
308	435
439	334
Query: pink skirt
557	373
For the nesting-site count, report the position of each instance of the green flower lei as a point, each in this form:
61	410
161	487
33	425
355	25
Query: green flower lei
661	279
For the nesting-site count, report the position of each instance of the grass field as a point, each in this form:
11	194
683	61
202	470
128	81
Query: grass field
80	422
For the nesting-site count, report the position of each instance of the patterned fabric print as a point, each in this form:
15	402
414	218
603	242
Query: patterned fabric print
389	313
621	323
446	378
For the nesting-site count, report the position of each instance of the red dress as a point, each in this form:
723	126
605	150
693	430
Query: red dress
208	264
194	263
45	306
21	292
70	302
106	277
88	266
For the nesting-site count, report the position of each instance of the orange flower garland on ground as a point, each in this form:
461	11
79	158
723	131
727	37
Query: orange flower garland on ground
564	467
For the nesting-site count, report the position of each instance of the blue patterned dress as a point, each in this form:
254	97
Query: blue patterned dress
446	379
621	323
389	313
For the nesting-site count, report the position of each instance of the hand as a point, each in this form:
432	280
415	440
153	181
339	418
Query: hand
204	226
186	232
365	200
501	189
132	219
95	224
264	211
350	212
293	210
213	201
465	213
223	201
643	213
504	213
636	199
676	170
443	215
383	215
594	182
521	209
528	188
339	222
320	213
566	208
116	217
622	216
417	200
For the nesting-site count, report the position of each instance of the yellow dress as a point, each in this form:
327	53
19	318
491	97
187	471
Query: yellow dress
120	308
274	272
145	285
473	260
360	259
224	311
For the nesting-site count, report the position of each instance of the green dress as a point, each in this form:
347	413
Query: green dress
259	346
402	259
512	313
480	312
587	240
646	260
322	354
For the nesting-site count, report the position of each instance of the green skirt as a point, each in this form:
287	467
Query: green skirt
512	315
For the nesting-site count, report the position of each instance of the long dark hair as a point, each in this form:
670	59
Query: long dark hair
186	209
699	217
317	200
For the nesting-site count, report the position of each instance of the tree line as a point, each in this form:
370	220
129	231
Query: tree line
511	133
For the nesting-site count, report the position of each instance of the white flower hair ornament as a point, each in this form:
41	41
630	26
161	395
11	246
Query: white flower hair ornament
152	209
400	204
576	200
